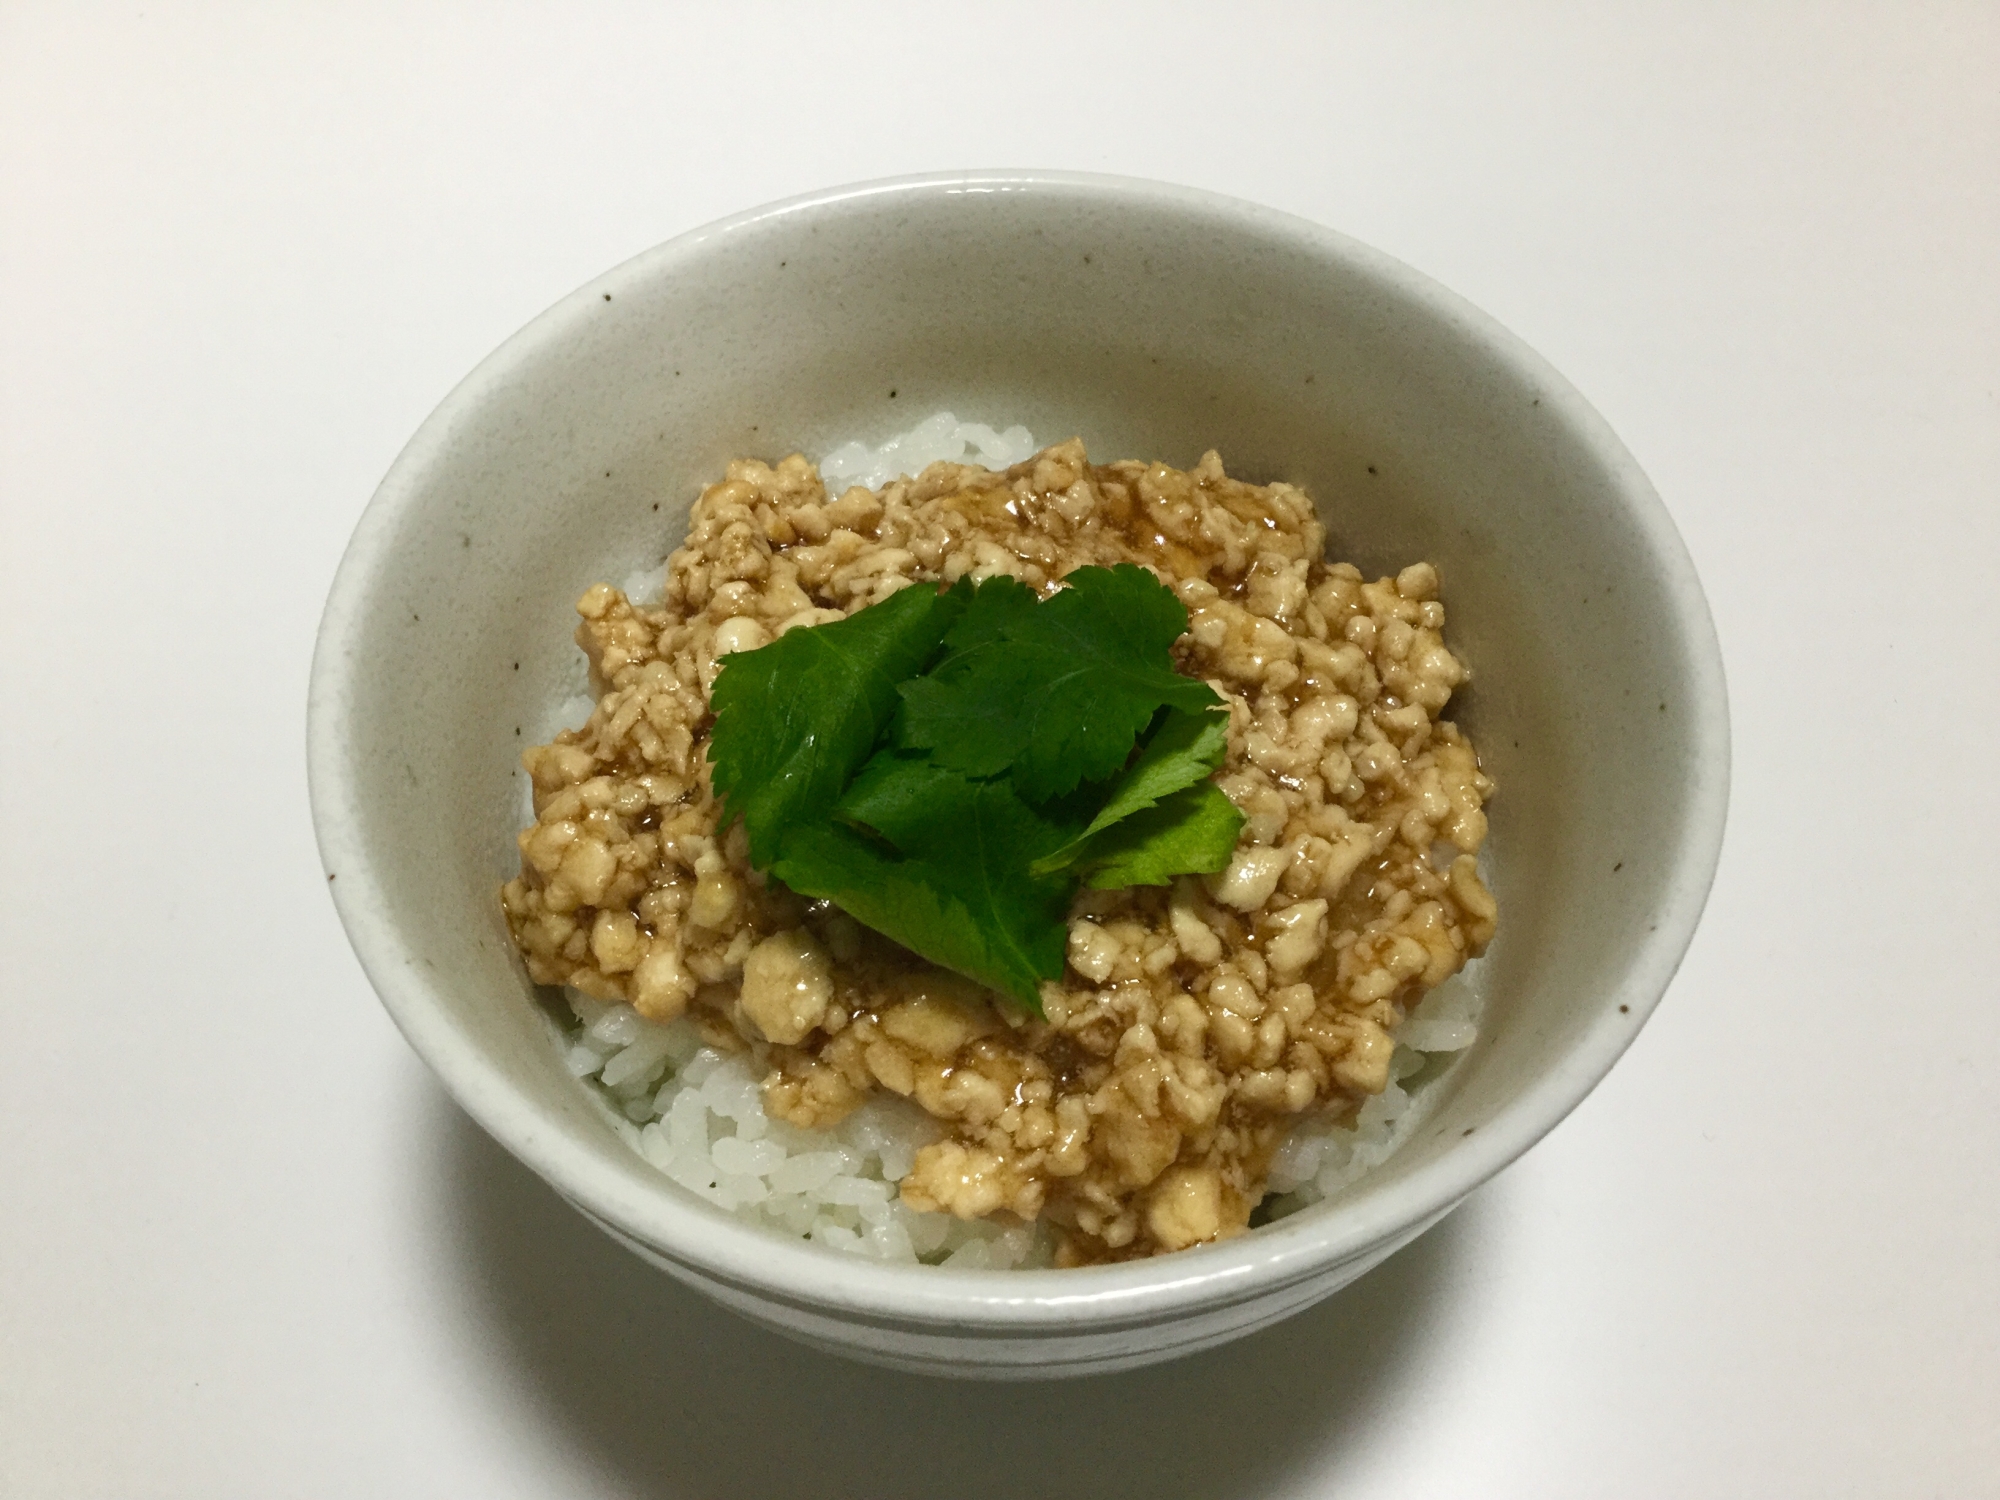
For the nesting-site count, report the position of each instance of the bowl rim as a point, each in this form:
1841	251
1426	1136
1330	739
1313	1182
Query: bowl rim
717	1246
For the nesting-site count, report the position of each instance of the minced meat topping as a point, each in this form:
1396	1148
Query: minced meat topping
1193	1024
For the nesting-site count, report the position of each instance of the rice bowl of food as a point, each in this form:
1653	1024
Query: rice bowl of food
1009	868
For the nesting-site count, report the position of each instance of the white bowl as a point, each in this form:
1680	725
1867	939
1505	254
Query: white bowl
1156	322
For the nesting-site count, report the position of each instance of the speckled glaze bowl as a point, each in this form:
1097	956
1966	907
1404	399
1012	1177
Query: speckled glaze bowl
1156	322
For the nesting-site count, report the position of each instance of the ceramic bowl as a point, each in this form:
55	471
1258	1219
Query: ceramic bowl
1156	322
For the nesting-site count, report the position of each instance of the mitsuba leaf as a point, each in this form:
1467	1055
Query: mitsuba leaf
796	719
1182	750
989	727
1055	693
901	901
973	843
946	767
949	875
1192	832
976	723
998	605
928	811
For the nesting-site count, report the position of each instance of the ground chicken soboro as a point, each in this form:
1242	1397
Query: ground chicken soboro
1194	1024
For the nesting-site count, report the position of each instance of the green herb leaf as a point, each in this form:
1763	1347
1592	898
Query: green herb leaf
998	606
796	719
927	811
978	727
954	809
900	900
1192	832
1054	692
969	844
1184	749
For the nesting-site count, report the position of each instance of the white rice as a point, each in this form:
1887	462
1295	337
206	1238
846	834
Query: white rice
941	437
697	1114
1319	1158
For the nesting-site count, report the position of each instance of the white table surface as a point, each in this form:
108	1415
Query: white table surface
248	1248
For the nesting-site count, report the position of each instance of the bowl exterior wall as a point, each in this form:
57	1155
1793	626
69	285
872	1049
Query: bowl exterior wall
1038	1354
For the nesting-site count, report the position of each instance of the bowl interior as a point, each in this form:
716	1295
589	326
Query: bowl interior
1153	323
